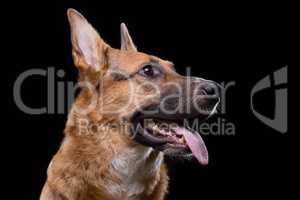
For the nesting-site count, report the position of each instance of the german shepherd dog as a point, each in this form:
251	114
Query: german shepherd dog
128	115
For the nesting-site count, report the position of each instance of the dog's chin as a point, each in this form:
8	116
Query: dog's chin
172	137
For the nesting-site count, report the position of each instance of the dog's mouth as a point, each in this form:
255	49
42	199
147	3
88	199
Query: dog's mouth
171	135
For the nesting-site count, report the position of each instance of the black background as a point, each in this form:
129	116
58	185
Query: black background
241	45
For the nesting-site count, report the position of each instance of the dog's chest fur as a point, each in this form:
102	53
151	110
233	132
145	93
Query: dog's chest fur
133	167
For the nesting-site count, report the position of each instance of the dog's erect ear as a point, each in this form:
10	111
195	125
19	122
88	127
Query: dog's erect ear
88	49
126	41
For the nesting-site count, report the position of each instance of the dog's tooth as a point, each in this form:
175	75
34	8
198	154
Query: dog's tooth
163	132
181	140
169	133
155	127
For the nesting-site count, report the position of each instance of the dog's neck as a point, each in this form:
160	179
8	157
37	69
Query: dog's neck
124	169
138	170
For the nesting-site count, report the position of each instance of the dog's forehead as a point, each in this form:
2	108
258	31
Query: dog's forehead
130	62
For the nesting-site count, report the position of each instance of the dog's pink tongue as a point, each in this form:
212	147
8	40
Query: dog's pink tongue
196	144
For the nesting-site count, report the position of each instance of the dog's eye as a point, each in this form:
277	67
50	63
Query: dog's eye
150	71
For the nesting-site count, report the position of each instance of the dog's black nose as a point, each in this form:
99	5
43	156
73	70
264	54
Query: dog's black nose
209	89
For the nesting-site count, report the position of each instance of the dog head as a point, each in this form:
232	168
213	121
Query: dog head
141	90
